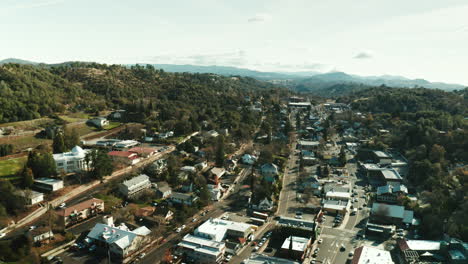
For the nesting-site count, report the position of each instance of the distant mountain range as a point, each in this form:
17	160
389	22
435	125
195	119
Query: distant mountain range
307	81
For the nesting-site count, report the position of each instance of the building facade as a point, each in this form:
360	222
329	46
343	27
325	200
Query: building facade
73	161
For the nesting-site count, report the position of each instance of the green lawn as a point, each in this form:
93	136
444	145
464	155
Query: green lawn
24	142
9	168
112	125
30	124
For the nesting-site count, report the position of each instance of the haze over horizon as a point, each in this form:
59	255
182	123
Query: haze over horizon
417	39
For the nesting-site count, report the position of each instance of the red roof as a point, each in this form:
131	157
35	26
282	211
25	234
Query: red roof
79	207
142	150
126	154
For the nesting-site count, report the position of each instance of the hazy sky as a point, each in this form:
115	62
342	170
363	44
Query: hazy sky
413	38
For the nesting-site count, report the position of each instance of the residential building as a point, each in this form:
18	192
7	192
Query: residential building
41	234
218	230
135	185
81	211
299	105
124	157
217	172
117	115
390	193
143	151
211	133
189	169
230	164
163	190
32	197
201	250
216	191
263	205
98	122
183	198
48	184
262	259
248	159
118	242
158	166
201	165
269	171
165	213
308	145
73	161
391	214
295	247
371	255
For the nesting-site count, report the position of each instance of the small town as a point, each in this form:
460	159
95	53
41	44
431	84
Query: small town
304	189
233	132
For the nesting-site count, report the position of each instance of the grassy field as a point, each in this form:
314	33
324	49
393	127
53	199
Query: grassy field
30	124
9	168
112	125
25	142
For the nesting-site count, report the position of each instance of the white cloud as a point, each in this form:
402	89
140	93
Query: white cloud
259	18
364	55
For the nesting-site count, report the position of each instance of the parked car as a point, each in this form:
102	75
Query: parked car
62	205
320	241
2	235
351	254
342	248
32	227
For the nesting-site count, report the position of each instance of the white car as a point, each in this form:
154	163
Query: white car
32	227
2	235
178	230
62	205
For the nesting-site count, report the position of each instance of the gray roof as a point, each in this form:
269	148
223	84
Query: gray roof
136	180
391	174
381	154
113	235
391	189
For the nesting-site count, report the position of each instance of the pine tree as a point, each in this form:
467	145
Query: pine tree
27	177
220	152
58	145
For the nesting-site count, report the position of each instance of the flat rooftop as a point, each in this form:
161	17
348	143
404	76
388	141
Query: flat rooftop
298	243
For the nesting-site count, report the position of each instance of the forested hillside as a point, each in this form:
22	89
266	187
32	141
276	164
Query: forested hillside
28	92
430	128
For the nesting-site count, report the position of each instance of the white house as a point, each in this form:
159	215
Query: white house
202	250
119	241
264	205
183	198
73	161
135	185
40	234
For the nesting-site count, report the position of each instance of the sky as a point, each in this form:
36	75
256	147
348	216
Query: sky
412	38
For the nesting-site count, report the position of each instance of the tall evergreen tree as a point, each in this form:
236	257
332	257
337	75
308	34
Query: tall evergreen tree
27	177
219	159
58	145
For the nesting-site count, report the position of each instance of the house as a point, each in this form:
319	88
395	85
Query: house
165	213
390	193
40	234
165	135
135	185
249	159
73	161
188	169
117	115
98	122
211	133
295	247
124	157
391	214
269	171
32	197
163	190
230	164
118	242
218	230
143	152
183	198
371	255
308	145
217	172
81	211
215	191
264	205
158	166
201	165
48	184
201	250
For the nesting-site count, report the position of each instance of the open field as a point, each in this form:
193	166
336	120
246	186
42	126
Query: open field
24	142
30	124
9	168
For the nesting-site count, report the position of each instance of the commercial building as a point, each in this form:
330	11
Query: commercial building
73	161
308	145
343	196
118	242
371	255
295	247
263	259
391	214
81	211
48	184
382	158
201	250
218	230
135	185
335	206
390	193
